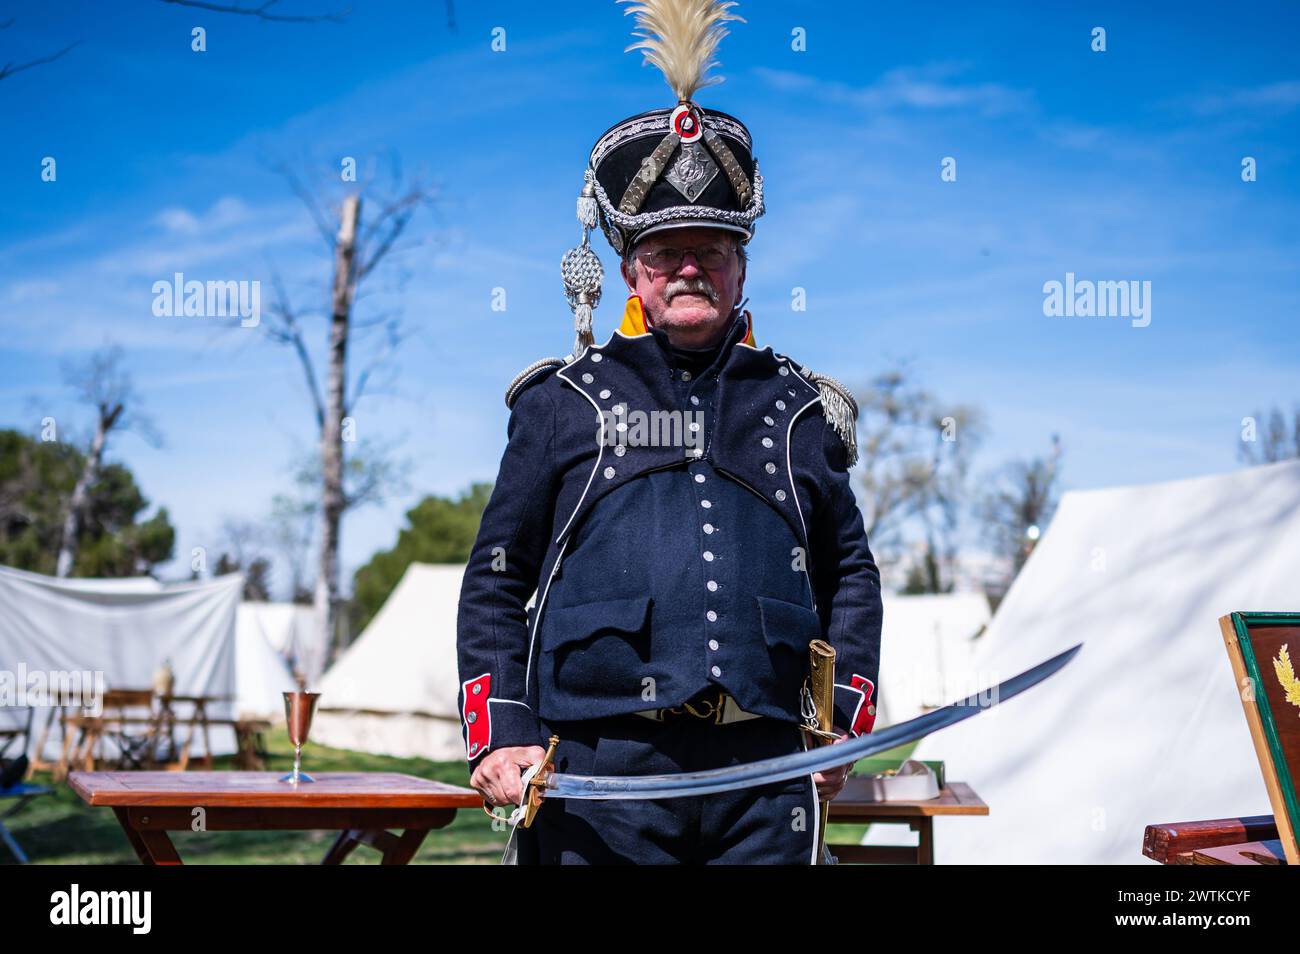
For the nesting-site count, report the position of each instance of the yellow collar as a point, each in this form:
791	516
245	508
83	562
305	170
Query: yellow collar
634	322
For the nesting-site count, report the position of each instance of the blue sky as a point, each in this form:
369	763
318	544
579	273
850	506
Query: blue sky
1122	165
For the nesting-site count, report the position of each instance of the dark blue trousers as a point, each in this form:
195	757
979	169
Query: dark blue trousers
772	824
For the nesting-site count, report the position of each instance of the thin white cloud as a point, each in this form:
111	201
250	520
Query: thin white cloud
1280	97
930	87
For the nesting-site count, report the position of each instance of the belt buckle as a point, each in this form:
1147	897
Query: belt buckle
713	712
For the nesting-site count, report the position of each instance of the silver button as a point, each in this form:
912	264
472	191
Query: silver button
596	358
695	452
712	585
699	478
686	375
478	688
620	408
695	425
695	399
708	556
871	710
713	644
706	504
609	472
780	405
620	426
472	717
768	421
767	442
587	379
708	528
620	450
783	371
473	747
780	495
716	672
711	616
604	395
770	467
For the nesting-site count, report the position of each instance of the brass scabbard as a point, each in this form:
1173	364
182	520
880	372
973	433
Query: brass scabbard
821	684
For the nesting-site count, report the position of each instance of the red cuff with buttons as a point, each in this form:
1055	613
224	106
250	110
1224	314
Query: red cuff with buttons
476	715
855	705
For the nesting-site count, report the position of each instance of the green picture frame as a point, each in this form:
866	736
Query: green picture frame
1264	649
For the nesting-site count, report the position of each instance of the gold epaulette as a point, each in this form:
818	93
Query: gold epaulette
528	375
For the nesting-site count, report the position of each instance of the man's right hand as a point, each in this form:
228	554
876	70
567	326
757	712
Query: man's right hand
499	776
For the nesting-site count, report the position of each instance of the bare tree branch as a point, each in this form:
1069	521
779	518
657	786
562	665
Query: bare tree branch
308	198
104	384
393	340
262	11
9	69
285	329
385	228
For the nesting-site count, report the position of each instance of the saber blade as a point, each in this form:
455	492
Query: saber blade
732	777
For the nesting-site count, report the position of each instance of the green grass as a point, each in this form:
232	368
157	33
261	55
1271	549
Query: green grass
61	829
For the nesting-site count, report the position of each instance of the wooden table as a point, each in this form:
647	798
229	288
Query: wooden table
849	807
361	806
1246	840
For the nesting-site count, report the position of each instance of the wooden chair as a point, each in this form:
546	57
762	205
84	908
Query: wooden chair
1259	648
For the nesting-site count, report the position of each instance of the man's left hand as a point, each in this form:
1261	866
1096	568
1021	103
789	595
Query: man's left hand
831	781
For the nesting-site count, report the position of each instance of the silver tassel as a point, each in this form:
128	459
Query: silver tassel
584	338
587	204
583	274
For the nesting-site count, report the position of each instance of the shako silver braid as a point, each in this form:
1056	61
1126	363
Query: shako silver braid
582	272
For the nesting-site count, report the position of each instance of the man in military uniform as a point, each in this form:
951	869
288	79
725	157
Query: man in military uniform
677	502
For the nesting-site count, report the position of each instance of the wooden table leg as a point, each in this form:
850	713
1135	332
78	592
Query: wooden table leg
151	847
160	847
924	827
207	741
393	849
342	847
403	850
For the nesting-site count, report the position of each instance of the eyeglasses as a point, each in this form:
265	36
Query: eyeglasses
668	259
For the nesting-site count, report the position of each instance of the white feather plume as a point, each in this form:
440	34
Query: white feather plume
680	38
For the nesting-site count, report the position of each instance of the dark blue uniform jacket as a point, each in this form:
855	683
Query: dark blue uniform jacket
704	550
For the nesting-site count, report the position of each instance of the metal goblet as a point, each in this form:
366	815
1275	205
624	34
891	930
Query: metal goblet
299	707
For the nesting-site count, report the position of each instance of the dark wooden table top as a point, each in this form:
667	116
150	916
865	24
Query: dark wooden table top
264	790
955	798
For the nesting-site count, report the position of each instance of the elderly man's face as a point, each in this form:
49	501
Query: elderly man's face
687	287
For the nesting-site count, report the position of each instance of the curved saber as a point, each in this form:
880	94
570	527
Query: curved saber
559	785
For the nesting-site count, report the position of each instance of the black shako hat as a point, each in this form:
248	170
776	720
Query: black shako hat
676	167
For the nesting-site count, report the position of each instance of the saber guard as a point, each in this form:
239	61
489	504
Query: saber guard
537	784
532	800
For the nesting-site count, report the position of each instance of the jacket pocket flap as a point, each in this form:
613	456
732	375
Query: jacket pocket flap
569	624
788	624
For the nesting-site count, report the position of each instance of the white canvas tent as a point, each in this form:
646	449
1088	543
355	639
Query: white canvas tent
261	676
926	651
394	690
1145	725
123	629
292	632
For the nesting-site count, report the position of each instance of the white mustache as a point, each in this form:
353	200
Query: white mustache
687	285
